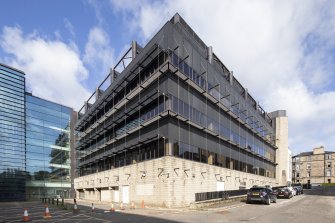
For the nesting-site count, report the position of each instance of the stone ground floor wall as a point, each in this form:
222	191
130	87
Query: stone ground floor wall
167	181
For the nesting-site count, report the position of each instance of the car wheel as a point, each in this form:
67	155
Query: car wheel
268	201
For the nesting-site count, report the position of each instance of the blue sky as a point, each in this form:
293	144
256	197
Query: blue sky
282	51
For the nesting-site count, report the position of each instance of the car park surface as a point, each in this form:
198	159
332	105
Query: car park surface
313	206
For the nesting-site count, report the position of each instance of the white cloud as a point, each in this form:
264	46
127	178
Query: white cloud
53	69
69	27
98	52
282	51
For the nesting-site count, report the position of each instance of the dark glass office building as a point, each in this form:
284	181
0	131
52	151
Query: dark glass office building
12	134
211	117
48	157
175	102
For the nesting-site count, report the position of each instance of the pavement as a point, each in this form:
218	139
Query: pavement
317	205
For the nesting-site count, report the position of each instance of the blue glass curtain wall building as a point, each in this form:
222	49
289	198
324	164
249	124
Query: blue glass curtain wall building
12	134
48	148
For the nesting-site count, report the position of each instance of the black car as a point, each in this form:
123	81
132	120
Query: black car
284	192
261	194
298	190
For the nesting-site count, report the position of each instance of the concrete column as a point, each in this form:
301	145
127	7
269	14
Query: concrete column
231	77
210	54
210	158
97	194
133	49
168	149
231	165
280	120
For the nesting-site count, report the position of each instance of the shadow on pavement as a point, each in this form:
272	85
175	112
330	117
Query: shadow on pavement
13	212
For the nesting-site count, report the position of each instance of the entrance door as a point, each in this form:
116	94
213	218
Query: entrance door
125	194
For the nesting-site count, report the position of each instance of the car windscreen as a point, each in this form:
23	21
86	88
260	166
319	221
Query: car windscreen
256	189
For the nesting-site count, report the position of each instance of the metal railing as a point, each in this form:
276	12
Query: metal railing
219	194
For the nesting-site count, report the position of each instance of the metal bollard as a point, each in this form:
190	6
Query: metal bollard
57	201
53	200
62	201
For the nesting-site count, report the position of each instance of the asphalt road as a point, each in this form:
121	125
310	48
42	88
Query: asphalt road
315	206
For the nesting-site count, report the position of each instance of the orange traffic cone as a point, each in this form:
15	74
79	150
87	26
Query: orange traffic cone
25	215
47	213
132	205
121	206
93	208
142	204
112	207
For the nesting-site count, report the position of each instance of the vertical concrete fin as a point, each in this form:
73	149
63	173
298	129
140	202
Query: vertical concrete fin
210	54
231	77
133	49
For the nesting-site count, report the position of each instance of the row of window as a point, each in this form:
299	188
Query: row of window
19	89
39	159
145	152
46	113
6	75
51	138
62	120
190	152
47	174
12	73
328	173
210	88
129	125
47	107
61	124
309	158
138	80
246	141
9	98
11	84
11	94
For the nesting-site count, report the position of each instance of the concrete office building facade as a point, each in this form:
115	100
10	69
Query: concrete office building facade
172	123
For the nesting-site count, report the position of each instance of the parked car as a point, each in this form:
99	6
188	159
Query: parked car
261	194
298	190
284	192
292	190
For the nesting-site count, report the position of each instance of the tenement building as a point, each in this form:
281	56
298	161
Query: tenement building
169	121
314	167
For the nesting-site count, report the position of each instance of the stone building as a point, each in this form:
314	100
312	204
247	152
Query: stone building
169	121
314	167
